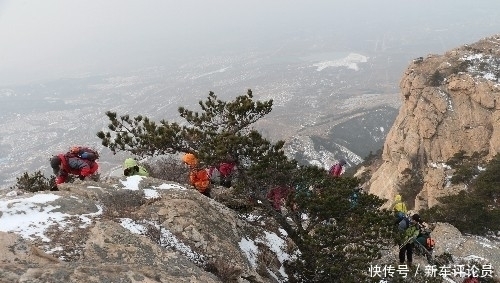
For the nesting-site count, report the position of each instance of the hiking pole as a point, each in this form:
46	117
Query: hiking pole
429	256
406	242
434	260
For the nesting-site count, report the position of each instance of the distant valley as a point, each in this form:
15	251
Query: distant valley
326	106
330	101
335	84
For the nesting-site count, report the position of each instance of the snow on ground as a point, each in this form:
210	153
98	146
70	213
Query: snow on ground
485	242
250	217
482	65
151	194
278	246
132	182
31	217
170	187
167	239
474	258
87	218
250	249
440	165
350	61
274	243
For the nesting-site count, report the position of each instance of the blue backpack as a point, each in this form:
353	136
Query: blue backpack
404	223
82	152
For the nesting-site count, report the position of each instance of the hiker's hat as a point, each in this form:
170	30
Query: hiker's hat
55	163
416	217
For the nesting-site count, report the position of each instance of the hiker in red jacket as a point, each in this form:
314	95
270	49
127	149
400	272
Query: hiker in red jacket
80	165
336	170
277	196
225	172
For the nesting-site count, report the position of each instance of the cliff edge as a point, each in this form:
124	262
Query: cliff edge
450	103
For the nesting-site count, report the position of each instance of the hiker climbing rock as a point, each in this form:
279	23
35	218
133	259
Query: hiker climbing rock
78	161
198	178
409	235
131	167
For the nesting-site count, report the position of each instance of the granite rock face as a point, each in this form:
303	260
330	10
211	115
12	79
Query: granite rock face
131	230
450	103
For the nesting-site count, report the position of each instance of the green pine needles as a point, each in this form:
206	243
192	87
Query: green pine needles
317	213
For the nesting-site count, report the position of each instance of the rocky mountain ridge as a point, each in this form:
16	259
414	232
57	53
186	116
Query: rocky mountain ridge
138	229
450	103
147	230
134	229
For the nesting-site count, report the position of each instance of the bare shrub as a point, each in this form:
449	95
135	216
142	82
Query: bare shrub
436	79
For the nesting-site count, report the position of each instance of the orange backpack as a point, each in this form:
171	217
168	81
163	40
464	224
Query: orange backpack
430	243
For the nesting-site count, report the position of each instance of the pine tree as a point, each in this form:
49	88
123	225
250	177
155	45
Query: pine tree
336	233
34	182
480	200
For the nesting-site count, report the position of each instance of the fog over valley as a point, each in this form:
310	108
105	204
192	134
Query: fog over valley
331	67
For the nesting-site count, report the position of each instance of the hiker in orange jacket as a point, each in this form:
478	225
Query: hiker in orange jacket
198	178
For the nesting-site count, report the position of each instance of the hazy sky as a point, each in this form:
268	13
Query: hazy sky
45	39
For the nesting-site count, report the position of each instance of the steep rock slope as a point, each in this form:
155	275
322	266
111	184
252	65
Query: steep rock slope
139	229
133	229
450	103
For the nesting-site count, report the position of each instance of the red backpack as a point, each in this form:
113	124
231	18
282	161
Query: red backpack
335	170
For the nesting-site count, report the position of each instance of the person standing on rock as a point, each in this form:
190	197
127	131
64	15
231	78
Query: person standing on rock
409	236
399	209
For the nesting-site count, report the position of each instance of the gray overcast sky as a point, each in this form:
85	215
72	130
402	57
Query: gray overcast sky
57	38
